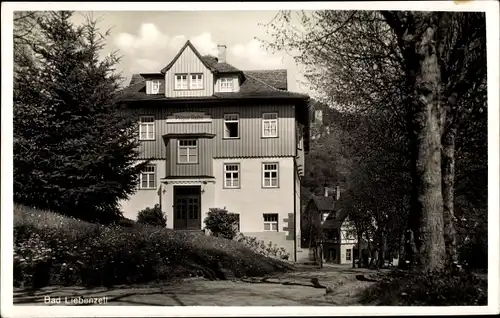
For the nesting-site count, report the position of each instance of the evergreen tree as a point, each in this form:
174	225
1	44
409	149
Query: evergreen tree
74	149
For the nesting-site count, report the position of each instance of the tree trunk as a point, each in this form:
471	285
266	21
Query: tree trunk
427	207
381	251
402	251
320	248
370	254
448	178
359	253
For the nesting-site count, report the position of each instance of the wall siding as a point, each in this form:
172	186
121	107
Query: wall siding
202	168
188	62
250	144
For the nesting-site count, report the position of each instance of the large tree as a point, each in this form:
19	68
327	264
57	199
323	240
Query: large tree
401	68
445	56
74	151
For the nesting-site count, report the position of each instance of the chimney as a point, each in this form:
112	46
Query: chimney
326	191
221	49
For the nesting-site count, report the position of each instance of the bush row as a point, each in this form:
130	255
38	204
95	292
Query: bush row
50	249
434	288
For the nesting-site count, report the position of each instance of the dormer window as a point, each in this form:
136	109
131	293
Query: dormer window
196	81
181	81
226	84
155	87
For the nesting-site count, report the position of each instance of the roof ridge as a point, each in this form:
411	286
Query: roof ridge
188	43
267	70
258	80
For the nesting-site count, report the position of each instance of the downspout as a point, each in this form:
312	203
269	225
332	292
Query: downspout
295	208
295	175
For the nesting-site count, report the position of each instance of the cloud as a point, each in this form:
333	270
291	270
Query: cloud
177	41
254	53
149	50
204	44
145	65
148	39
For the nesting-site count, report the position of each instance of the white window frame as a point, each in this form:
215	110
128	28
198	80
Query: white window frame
226	84
147	126
271	223
348	254
269	119
192	146
155	86
148	173
232	184
198	82
266	168
231	118
180	83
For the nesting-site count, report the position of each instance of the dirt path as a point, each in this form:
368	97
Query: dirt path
290	289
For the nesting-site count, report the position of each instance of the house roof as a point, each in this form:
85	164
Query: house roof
219	67
255	84
328	204
136	78
324	203
275	78
137	93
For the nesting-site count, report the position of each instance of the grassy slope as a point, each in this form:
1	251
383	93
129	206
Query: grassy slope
53	249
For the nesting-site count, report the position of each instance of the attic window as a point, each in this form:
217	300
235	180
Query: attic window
226	84
155	86
196	81
181	81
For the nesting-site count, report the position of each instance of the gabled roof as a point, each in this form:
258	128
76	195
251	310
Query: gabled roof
324	204
255	84
328	204
188	43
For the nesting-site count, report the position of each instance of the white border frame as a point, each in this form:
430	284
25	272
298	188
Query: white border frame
492	20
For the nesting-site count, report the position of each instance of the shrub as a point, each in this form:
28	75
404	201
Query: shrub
50	249
260	247
221	223
152	216
126	222
436	288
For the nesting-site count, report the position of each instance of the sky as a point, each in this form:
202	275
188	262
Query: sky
147	41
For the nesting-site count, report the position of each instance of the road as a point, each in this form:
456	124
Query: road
289	289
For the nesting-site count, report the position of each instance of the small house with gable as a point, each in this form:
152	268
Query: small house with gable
326	225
